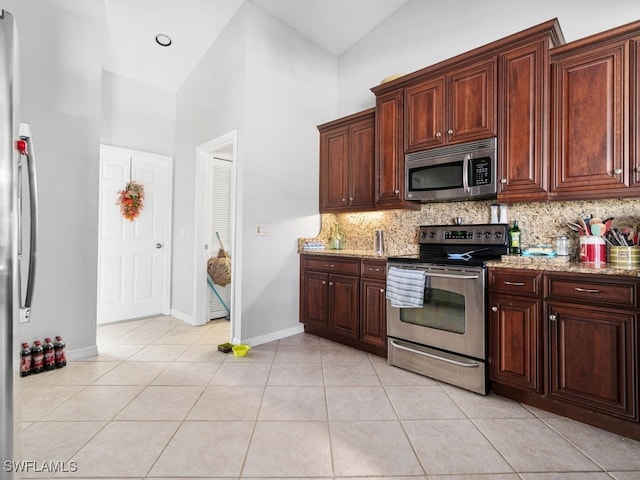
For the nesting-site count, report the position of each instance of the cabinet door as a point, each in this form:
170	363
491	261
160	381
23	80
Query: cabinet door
343	305
514	341
523	128
471	103
591	353
389	150
313	299
334	161
635	115
362	167
373	309
590	152
424	115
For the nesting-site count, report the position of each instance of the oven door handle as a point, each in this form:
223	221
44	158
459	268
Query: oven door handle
436	357
447	275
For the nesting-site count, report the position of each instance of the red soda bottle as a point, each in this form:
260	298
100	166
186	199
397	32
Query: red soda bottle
37	356
49	355
61	356
25	360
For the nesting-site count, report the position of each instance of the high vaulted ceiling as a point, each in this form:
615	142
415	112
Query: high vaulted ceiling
130	49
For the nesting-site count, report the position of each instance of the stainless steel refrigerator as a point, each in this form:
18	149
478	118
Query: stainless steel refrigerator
18	229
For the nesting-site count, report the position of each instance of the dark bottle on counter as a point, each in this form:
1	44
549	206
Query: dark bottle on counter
514	239
37	357
25	360
49	361
61	356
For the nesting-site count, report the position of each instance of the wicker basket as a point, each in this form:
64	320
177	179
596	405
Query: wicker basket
219	268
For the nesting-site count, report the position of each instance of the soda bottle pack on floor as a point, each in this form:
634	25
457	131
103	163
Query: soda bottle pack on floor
41	357
25	360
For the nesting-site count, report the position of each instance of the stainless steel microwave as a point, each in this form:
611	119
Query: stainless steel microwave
458	172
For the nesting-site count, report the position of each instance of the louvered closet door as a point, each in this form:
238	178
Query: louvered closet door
219	202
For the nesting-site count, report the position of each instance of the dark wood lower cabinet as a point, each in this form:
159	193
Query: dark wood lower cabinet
343	299
514	323
373	308
570	347
591	361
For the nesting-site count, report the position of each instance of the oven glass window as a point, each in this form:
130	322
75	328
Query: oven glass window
436	177
442	310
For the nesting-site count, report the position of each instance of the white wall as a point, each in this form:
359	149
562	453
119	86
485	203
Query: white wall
60	97
209	104
418	35
291	88
136	115
273	85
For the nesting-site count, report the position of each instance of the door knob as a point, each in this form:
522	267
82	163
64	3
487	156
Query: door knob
158	245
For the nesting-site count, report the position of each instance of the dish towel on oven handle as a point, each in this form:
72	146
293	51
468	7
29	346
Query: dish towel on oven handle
405	288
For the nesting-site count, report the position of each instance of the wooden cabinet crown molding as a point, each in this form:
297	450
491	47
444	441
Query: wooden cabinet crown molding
550	28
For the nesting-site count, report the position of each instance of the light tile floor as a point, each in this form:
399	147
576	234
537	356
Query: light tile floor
161	402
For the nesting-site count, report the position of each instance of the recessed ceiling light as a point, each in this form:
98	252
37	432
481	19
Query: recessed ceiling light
163	40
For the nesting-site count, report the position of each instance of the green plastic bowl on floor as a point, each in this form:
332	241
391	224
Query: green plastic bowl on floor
240	350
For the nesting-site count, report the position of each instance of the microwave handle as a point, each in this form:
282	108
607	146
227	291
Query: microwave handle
465	172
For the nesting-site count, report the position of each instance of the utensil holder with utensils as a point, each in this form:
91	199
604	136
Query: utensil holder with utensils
593	250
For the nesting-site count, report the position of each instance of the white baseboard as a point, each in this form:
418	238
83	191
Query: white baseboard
80	353
183	316
270	337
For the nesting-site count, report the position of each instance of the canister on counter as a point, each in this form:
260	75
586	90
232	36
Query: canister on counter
624	257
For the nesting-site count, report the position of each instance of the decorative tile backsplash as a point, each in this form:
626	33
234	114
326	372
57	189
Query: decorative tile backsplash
540	222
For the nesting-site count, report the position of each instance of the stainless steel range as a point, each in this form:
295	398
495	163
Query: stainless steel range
436	323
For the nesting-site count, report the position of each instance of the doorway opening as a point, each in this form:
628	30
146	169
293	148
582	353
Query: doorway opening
215	214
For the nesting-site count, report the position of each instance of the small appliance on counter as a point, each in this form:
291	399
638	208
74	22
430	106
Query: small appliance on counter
378	242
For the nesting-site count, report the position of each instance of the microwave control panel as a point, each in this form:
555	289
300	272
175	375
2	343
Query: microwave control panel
480	172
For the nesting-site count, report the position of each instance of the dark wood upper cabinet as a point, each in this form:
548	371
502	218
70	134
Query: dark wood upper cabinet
452	108
523	117
347	163
595	108
390	186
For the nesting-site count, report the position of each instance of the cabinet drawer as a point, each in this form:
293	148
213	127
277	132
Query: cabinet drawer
515	282
577	290
373	268
332	264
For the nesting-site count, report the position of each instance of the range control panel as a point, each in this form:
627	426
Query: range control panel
485	234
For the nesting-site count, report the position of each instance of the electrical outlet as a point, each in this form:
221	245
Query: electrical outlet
262	230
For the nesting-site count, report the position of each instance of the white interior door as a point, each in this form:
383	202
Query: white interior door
134	256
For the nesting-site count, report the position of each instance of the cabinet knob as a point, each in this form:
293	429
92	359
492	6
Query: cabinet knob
450	132
351	199
331	284
324	282
438	134
553	317
617	171
344	200
397	192
382	290
503	180
638	169
494	309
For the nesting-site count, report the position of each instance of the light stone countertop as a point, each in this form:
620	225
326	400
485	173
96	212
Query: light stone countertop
559	264
346	253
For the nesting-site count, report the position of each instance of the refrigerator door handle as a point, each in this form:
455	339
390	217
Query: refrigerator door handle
26	149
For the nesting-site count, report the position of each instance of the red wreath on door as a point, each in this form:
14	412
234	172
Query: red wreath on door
131	200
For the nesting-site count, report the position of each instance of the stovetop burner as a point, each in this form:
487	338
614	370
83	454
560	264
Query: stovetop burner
459	244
